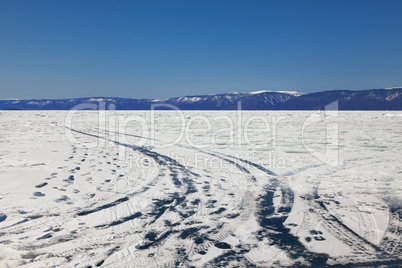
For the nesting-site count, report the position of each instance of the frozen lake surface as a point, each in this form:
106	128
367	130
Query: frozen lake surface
201	189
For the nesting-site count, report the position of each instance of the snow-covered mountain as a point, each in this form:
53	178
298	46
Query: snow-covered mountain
228	101
373	99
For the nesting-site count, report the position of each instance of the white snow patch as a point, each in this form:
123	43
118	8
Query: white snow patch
100	100
294	93
390	88
34	151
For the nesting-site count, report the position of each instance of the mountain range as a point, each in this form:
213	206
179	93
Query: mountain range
373	99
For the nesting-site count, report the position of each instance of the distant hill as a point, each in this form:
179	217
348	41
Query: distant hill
373	99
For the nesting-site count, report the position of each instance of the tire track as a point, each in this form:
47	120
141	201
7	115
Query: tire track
175	168
391	242
248	200
338	229
246	206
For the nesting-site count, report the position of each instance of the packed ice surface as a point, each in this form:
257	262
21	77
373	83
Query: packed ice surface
169	188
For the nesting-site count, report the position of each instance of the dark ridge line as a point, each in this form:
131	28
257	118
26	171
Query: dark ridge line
15	224
109	205
120	221
46	236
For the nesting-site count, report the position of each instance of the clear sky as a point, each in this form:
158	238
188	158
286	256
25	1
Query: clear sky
154	49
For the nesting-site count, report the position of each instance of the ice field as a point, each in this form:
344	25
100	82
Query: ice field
200	189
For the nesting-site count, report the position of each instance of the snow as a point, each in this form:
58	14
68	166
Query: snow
100	194
189	99
390	97
294	93
159	100
100	100
390	88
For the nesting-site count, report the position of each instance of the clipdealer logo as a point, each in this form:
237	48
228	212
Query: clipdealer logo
238	129
328	152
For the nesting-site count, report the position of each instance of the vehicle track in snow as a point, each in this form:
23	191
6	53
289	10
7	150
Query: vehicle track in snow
248	201
274	220
391	242
359	245
175	168
173	221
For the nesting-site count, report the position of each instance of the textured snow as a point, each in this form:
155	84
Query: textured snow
233	189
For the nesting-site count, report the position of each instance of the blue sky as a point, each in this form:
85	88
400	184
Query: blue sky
153	49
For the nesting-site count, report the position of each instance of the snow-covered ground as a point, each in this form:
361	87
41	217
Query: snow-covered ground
143	189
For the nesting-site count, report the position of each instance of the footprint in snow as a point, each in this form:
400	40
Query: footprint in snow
3	217
63	198
41	185
38	194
